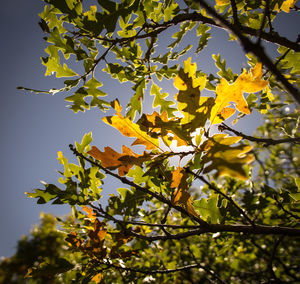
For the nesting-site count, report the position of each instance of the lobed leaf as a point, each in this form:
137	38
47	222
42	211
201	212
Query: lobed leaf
226	160
130	129
189	86
227	93
124	162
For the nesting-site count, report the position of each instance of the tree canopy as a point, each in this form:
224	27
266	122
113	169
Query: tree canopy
201	201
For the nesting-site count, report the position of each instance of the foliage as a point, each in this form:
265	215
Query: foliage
43	254
242	224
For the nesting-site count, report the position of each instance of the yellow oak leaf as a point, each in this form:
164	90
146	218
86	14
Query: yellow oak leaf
130	129
111	159
222	2
227	160
287	5
181	195
176	178
247	82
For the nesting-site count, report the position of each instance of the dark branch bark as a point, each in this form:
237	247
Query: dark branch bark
234	13
215	228
167	271
197	17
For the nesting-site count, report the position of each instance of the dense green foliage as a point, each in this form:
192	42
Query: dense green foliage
45	247
240	222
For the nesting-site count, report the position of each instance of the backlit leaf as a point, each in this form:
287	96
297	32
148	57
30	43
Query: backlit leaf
226	160
53	64
208	208
287	5
189	86
157	125
130	129
111	159
90	212
160	100
181	196
227	93
222	2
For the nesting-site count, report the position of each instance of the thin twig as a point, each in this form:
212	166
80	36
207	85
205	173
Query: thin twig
158	271
285	267
270	263
262	165
214	188
266	11
279	59
286	211
266	141
215	228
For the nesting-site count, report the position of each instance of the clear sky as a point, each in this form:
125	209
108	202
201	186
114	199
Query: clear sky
34	127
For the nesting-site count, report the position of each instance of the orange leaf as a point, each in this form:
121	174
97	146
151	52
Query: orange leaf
130	129
176	178
124	162
73	240
98	233
181	196
97	278
108	158
90	212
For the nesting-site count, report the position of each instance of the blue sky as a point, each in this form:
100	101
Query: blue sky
35	127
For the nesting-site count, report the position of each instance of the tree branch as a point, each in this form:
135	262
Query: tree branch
197	17
266	141
215	228
165	271
138	187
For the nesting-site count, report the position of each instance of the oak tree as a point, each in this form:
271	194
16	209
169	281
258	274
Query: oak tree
201	201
